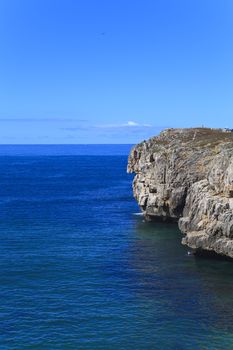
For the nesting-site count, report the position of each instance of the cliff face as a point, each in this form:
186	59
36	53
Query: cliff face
186	175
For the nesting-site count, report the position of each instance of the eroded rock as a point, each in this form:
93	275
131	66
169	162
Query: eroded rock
186	175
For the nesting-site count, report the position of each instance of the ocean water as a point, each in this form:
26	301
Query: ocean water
79	270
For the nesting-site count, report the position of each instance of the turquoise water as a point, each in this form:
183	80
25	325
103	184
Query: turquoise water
79	270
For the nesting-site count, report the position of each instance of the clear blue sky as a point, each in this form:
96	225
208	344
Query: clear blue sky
101	71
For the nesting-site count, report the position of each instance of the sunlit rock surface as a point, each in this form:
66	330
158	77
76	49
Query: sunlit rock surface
186	175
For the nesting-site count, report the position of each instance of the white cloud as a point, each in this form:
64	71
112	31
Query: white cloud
129	124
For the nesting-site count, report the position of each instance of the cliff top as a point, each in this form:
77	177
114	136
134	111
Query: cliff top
192	137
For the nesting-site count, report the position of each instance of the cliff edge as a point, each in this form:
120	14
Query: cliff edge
186	175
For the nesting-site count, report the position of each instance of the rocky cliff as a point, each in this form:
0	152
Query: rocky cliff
186	175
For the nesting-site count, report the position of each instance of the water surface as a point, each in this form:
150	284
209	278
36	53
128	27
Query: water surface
80	271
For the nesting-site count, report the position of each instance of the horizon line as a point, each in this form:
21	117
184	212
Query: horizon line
65	144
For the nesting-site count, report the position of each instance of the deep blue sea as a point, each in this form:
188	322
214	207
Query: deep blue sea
80	270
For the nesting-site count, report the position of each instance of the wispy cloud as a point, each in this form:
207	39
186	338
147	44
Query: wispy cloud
38	120
129	127
129	124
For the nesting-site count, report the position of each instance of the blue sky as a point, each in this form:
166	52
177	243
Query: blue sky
100	71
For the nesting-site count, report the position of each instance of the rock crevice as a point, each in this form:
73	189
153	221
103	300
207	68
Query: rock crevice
186	175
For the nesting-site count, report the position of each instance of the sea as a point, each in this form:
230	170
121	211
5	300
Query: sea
80	268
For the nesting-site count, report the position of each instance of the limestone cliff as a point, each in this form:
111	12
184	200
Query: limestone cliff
186	175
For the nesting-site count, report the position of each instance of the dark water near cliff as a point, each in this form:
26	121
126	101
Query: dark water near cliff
80	271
